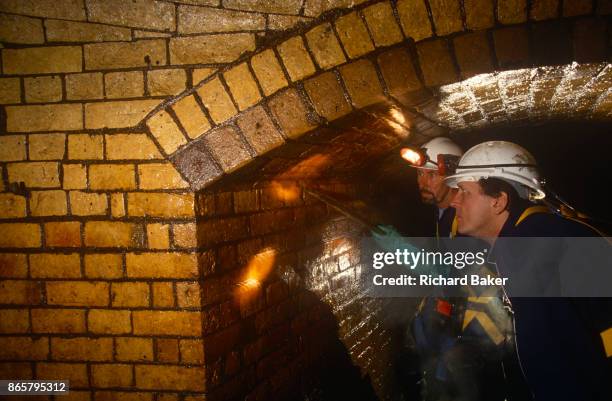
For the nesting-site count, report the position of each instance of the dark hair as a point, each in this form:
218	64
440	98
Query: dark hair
494	187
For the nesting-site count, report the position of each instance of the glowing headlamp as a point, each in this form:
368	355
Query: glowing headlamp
416	157
446	164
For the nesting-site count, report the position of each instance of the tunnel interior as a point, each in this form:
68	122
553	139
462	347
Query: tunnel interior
298	310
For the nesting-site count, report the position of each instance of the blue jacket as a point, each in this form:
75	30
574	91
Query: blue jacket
559	350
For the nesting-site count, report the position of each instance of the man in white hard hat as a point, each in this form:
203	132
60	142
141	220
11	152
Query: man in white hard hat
429	160
499	196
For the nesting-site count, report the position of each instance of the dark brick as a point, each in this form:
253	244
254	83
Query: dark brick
473	54
228	148
436	63
511	46
259	130
398	71
197	165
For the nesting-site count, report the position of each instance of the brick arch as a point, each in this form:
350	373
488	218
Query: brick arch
399	52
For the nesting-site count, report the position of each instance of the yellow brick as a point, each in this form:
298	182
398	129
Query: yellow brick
414	19
296	59
325	46
102	321
191	116
20	292
134	349
131	146
34	175
69	31
130	295
49	265
200	74
114	55
24	348
512	11
167	133
210	49
217	100
76	373
381	22
77	293
160	176
19	235
112	176
42	60
111	375
85	147
157	16
117	205
188	295
82	349
63	234
50	117
185	235
166	82
16	370
167	323
158	236
163	295
170	377
118	114
47	146
124	84
104	265
109	234
268	72
75	176
48	203
58	321
88	204
65	9
12	147
13	321
45	89
192	351
19	29
354	35
114	395
162	265
12	206
84	86
10	90
242	85
161	205
13	265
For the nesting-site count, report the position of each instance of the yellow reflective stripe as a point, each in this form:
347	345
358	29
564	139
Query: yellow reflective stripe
606	337
529	211
485	322
454	227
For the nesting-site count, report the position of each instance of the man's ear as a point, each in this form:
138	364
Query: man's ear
500	203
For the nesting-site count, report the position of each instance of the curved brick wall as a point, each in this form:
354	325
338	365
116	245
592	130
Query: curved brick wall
114	113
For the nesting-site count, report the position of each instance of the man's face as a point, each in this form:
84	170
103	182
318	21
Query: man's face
431	186
474	210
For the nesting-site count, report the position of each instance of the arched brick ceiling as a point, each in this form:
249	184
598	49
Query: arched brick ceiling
412	56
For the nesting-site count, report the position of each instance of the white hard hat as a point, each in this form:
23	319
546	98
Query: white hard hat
504	160
439	146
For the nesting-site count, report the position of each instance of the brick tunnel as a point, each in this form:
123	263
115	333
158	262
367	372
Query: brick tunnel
161	235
